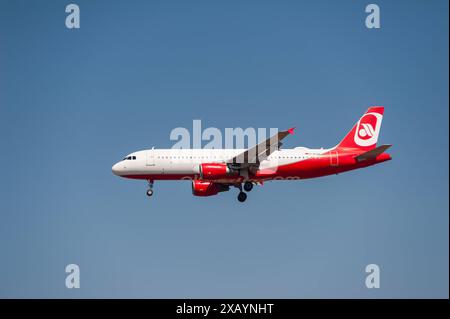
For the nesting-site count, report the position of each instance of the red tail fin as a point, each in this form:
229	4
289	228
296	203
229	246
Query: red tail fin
364	134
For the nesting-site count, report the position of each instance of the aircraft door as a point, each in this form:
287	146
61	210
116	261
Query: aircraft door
150	158
334	158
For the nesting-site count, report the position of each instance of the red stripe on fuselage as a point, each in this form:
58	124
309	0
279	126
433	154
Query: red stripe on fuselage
321	166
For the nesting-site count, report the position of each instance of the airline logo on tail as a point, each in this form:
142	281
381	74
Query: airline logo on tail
367	129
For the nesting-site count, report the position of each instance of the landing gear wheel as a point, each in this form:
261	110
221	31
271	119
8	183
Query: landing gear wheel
242	197
248	186
150	188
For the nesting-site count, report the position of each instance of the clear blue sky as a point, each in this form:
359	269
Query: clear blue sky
73	102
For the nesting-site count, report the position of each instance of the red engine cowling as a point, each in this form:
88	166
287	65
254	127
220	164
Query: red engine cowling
212	171
202	188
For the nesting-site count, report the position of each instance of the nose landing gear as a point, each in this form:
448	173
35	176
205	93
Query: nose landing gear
150	188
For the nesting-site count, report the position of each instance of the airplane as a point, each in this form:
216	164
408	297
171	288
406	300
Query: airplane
212	171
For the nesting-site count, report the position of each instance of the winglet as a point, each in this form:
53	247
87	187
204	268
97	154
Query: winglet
291	130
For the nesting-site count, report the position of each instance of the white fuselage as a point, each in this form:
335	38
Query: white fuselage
187	161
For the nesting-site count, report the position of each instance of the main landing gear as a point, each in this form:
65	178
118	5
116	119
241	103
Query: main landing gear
242	197
248	186
150	188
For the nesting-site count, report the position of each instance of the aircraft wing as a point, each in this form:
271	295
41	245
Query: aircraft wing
254	155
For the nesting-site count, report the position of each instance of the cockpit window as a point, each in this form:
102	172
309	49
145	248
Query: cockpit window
134	157
129	158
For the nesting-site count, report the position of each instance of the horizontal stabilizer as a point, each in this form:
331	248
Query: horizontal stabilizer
372	154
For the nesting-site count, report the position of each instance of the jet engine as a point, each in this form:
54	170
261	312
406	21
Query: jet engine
213	171
202	188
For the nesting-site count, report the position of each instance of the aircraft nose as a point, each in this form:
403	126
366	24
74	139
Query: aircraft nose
116	169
